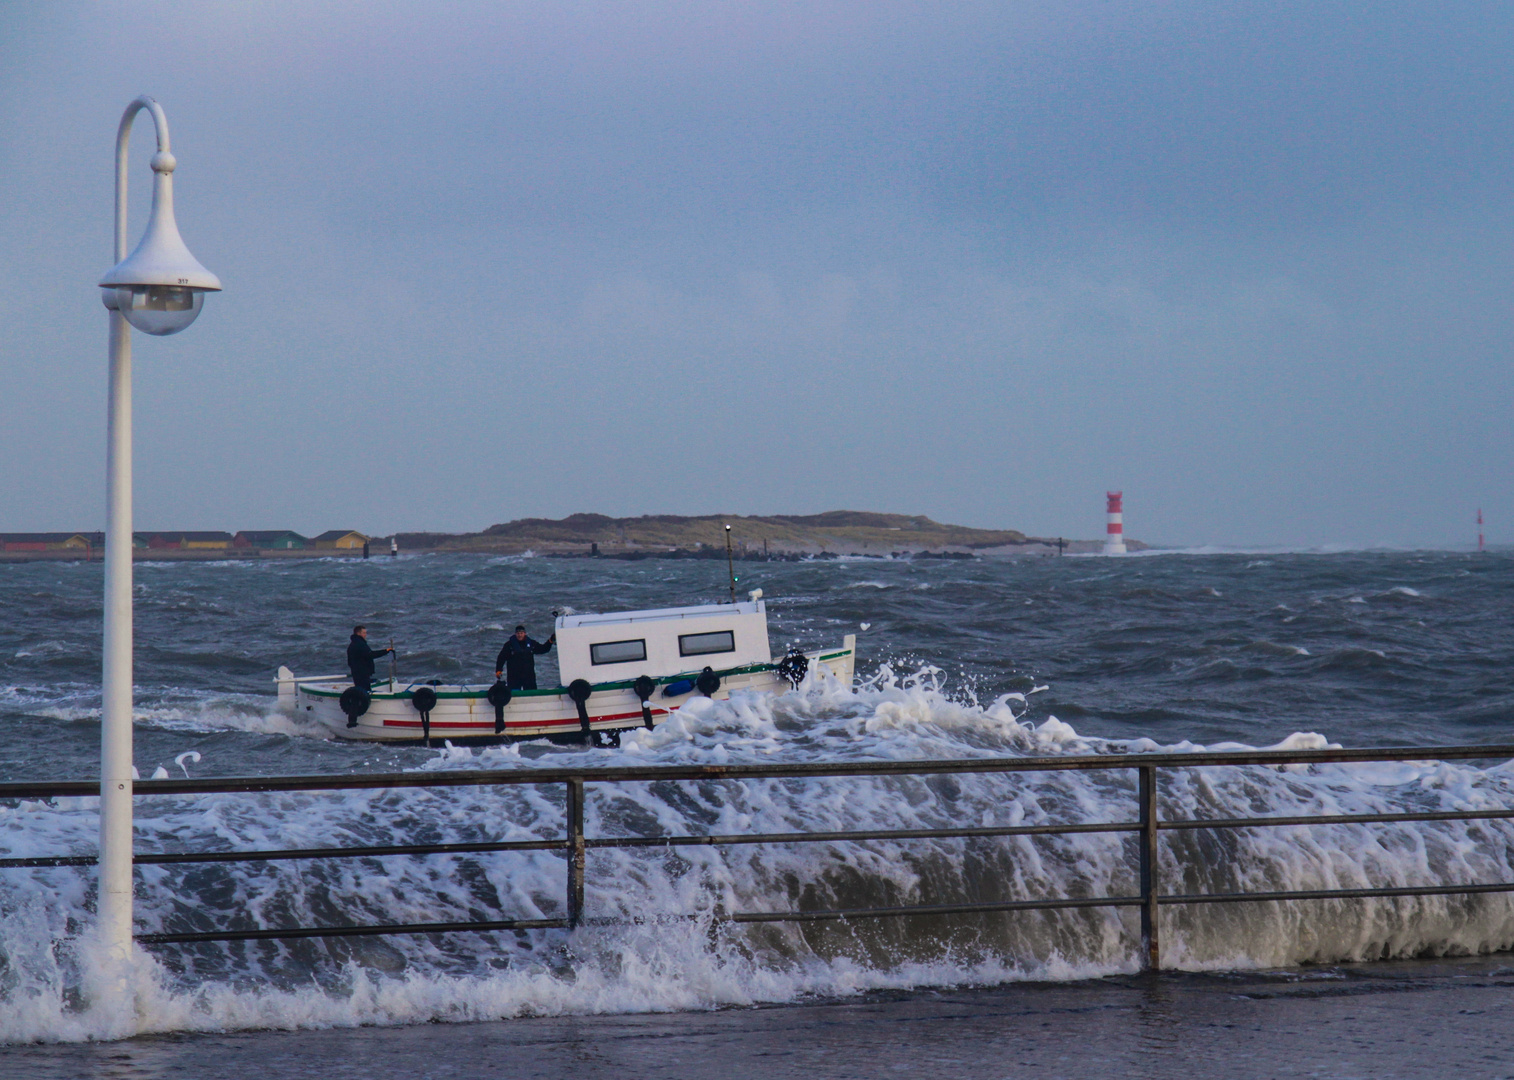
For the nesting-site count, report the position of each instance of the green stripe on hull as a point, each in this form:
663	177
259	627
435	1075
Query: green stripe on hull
560	691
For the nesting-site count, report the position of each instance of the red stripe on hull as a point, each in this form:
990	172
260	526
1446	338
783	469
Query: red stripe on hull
570	722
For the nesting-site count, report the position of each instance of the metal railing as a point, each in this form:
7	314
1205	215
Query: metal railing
1147	826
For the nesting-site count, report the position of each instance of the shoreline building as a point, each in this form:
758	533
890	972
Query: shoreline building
344	539
85	542
270	540
1114	531
188	541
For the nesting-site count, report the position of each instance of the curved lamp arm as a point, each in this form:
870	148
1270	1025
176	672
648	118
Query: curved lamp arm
123	140
160	261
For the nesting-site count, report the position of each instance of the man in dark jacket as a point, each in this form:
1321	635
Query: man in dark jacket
360	657
516	662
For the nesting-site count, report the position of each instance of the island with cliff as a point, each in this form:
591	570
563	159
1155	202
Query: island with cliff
786	536
650	536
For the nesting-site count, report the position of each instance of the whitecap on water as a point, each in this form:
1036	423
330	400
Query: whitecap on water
1272	648
683	955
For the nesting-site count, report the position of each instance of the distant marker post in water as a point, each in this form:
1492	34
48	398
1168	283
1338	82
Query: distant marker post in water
1114	533
1479	528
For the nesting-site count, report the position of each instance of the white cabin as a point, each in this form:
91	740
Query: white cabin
662	642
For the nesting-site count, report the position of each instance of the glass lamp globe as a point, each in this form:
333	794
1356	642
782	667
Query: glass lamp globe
160	310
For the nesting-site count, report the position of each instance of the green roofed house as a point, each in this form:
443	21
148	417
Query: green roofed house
270	540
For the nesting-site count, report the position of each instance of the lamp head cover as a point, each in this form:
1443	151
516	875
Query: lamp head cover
161	258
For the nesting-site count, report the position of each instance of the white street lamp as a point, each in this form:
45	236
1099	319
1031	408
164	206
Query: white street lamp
159	289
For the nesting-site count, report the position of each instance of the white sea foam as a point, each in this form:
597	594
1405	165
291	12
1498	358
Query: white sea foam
258	715
696	960
42	648
1271	648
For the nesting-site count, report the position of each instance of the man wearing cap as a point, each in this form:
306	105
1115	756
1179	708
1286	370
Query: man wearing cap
516	662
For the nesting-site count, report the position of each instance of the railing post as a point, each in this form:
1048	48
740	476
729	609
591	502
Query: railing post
1151	951
575	852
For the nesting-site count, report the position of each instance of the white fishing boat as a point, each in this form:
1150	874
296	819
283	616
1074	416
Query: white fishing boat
619	670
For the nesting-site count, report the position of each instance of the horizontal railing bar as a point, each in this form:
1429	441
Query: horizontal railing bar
719	840
796	770
643	920
351	931
49	789
932	909
1335	894
1337	819
50	860
404	928
172	858
855	834
837	914
348	852
1113	901
558	845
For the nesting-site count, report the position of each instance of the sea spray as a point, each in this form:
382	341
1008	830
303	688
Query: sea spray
657	939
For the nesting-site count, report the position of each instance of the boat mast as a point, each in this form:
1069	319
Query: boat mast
730	564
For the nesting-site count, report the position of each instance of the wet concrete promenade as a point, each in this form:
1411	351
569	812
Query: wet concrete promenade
1441	1019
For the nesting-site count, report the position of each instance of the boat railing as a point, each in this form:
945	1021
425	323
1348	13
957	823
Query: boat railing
477	690
1145	826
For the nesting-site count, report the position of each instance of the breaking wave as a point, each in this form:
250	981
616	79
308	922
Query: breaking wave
660	943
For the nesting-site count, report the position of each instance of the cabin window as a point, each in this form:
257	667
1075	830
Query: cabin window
700	644
618	652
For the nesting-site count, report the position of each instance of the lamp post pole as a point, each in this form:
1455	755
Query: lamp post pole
162	287
114	904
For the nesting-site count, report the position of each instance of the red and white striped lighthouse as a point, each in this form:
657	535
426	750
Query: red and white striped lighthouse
1114	536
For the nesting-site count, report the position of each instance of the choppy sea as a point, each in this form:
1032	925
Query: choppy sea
956	659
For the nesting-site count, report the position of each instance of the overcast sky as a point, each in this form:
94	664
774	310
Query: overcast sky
1249	262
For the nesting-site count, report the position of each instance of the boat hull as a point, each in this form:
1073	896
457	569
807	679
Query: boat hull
462	714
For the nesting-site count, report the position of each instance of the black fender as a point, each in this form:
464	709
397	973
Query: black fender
354	702
424	700
643	687
499	696
794	667
579	691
